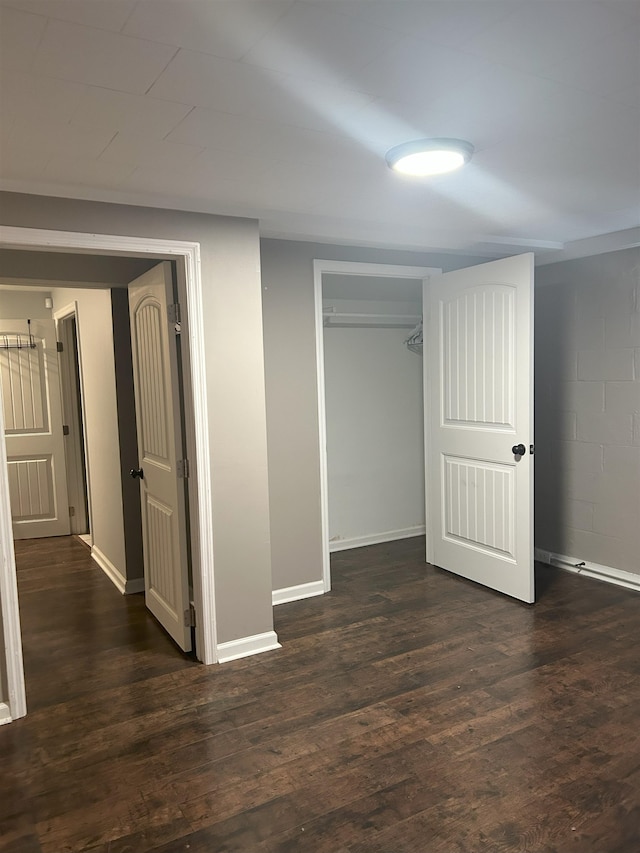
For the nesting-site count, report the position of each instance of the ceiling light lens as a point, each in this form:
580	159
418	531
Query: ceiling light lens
429	156
429	163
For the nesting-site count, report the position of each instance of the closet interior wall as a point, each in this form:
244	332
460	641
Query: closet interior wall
374	409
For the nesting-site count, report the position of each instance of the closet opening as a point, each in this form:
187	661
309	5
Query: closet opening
370	391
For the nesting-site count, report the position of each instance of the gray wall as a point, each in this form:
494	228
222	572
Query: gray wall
234	376
588	409
46	266
292	409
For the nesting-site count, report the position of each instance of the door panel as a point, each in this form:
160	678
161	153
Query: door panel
31	488
32	409
477	331
162	497
481	405
477	500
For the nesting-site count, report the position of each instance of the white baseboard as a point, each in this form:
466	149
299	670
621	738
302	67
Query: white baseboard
5	713
298	592
246	646
124	586
628	580
114	575
376	538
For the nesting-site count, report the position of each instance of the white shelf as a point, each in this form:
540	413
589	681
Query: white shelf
355	320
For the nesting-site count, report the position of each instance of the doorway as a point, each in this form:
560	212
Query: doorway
186	256
40	371
478	419
359	296
73	428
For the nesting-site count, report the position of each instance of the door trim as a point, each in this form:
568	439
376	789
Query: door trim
16	700
348	268
188	255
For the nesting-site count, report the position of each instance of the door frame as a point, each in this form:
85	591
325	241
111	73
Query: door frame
81	481
320	267
187	254
14	704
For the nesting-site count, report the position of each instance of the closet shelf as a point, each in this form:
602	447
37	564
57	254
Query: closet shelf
355	320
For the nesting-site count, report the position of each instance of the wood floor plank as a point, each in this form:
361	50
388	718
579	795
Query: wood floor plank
408	710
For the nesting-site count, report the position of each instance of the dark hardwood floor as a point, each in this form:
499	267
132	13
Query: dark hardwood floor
407	712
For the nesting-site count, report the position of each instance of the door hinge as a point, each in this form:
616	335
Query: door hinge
72	511
190	616
65	429
174	315
182	468
59	346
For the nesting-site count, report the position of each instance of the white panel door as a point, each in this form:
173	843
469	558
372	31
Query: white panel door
155	376
32	408
480	409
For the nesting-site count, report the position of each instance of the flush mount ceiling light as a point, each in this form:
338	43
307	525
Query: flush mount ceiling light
424	157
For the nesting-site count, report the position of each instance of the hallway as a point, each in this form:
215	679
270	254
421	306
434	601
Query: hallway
80	635
408	711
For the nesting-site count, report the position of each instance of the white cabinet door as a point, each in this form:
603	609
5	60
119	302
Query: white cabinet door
155	374
32	408
480	408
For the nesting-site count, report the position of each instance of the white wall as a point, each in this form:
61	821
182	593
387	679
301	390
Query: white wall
95	332
374	433
375	447
588	409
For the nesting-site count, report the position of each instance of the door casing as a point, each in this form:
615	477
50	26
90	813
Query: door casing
187	255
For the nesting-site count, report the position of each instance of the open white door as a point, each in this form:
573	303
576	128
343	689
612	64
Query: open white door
481	416
155	375
33	426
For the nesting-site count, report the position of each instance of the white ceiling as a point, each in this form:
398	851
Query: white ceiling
283	110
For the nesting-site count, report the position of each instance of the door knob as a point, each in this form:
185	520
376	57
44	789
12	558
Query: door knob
137	472
518	449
